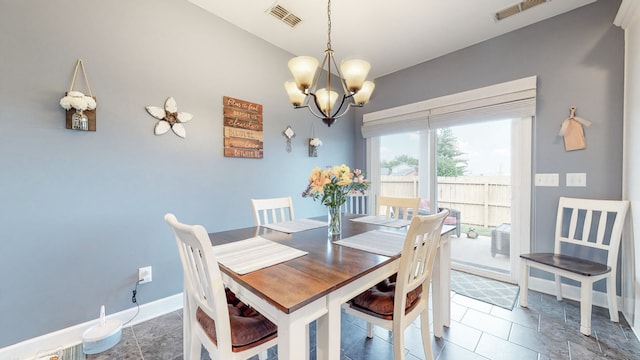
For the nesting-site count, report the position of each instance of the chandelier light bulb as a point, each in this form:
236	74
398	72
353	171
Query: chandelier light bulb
355	73
326	100
296	97
362	97
303	69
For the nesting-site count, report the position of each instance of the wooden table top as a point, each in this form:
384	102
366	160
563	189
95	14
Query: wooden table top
298	282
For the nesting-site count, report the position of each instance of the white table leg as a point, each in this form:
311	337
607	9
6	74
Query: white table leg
291	337
446	281
328	330
440	285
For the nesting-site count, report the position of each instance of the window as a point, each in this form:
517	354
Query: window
415	126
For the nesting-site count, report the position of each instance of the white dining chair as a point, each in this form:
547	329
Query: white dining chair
357	203
397	207
396	302
273	210
213	316
585	230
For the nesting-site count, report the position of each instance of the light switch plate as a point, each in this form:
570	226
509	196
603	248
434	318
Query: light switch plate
550	180
577	179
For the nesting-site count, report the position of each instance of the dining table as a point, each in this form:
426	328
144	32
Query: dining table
312	287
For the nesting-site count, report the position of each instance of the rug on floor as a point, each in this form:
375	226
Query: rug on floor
71	353
487	290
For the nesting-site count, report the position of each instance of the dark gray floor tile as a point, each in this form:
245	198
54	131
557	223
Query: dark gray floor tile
587	342
618	342
534	296
529	338
495	348
556	334
578	351
621	352
160	338
351	334
373	349
548	308
519	315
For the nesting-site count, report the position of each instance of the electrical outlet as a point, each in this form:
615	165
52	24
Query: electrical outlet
144	275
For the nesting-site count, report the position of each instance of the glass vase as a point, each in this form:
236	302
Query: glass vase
79	120
335	220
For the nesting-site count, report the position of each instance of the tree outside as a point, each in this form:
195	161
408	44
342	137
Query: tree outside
450	162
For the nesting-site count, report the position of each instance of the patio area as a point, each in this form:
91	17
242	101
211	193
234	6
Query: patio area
477	252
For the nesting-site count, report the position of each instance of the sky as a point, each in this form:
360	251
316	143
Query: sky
486	146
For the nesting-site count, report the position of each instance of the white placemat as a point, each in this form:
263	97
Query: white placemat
254	254
376	241
295	225
383	220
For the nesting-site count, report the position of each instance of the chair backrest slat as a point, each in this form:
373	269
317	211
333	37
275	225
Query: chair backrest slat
602	227
203	283
604	217
356	203
397	207
586	227
418	256
274	210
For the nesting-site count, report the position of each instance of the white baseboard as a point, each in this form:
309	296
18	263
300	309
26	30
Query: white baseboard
72	335
569	292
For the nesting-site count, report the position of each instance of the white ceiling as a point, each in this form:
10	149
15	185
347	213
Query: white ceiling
391	35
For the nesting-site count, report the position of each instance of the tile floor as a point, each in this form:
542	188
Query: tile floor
548	329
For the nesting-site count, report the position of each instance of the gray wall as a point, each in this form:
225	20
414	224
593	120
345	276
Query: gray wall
81	212
579	60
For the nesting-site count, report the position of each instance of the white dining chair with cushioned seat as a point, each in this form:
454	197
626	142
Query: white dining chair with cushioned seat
213	316
590	231
397	207
274	210
397	301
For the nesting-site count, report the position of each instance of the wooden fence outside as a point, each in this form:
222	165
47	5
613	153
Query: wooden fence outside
483	201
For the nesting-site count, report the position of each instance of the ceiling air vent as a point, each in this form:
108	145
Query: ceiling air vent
284	15
518	8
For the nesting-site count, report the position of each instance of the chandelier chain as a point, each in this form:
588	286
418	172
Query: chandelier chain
329	25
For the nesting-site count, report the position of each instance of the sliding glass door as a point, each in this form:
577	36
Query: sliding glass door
474	180
480	171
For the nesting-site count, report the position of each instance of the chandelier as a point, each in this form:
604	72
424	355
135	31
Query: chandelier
352	73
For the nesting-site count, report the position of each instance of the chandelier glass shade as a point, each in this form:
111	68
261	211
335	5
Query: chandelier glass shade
323	102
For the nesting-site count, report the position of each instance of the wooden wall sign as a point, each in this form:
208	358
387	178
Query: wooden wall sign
243	136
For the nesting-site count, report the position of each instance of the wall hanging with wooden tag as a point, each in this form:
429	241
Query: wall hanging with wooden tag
572	132
81	109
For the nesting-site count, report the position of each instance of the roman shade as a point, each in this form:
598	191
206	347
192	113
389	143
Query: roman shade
509	100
